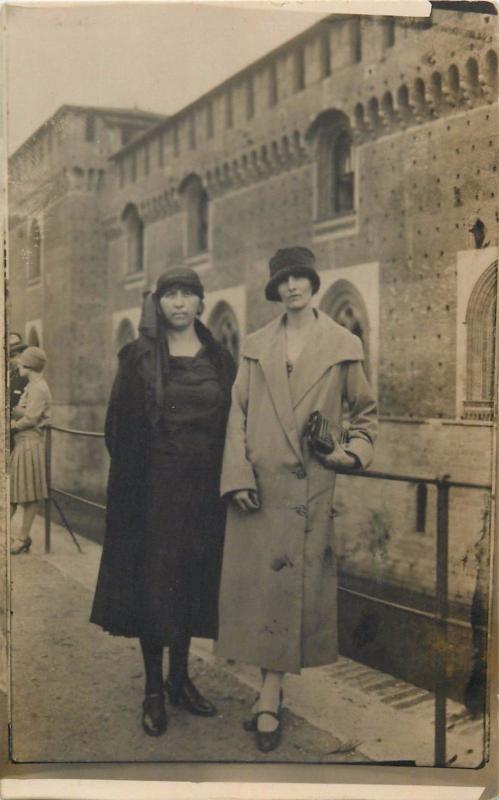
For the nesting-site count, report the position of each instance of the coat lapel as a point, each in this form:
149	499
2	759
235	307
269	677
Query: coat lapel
272	360
328	345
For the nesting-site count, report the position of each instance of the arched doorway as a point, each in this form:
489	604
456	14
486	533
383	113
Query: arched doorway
224	327
344	303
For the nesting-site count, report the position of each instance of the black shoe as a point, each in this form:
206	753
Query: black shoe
268	740
23	547
154	718
189	698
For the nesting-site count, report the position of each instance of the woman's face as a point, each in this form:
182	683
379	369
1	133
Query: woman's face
180	307
295	292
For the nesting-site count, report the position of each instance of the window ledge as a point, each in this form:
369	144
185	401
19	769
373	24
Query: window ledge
340	224
134	280
201	261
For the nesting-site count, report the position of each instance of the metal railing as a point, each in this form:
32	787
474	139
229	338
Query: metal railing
440	616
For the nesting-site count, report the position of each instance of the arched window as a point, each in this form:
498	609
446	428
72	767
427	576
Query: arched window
34	252
299	69
325	54
224	327
134	228
90	128
491	70
344	303
124	334
454	80
472	76
436	87
335	174
196	203
273	85
250	98
356	39
480	347
388	31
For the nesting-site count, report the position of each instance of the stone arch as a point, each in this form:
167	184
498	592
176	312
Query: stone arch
344	303
480	346
124	334
225	327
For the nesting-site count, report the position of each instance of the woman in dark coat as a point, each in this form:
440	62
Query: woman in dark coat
165	427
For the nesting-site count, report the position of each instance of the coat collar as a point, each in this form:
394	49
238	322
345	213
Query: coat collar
331	345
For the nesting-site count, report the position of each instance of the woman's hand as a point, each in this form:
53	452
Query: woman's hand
339	458
246	500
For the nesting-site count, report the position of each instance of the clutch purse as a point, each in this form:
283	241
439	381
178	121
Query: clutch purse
323	436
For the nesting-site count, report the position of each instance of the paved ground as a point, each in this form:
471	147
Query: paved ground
76	692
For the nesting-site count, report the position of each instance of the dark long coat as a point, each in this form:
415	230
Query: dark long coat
278	595
117	601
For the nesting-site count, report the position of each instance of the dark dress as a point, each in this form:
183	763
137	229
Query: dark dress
185	516
161	560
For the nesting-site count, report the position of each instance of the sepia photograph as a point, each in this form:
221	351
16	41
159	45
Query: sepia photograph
251	310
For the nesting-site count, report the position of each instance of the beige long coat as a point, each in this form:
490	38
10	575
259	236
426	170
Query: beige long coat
278	597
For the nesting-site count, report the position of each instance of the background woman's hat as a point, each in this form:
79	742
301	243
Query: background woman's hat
34	358
291	261
179	276
16	344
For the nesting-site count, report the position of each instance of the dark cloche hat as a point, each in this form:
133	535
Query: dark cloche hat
179	276
291	261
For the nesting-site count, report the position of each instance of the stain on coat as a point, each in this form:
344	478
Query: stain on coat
283	561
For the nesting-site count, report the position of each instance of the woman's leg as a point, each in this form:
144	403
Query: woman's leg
29	514
180	688
178	673
270	700
153	664
154	718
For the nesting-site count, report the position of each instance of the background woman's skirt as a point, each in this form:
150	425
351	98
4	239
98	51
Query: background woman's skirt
27	468
180	562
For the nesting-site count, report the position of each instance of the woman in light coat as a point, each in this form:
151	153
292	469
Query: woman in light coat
278	597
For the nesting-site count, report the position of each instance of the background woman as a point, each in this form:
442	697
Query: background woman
278	596
165	427
29	417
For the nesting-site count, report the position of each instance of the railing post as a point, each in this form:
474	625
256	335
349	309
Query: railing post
442	602
48	502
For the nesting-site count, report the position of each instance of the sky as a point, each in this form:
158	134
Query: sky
157	57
